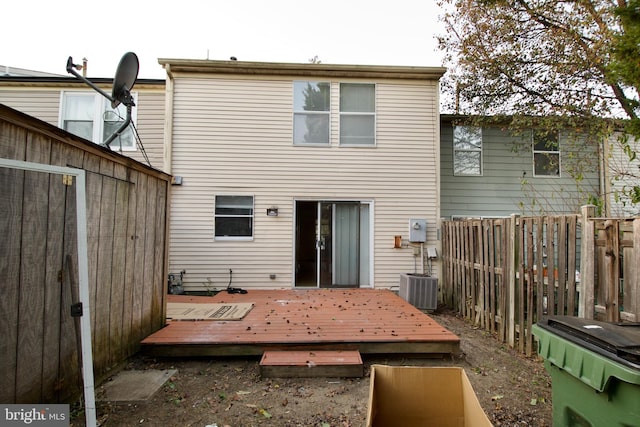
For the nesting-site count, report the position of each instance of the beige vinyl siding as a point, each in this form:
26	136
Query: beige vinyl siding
150	125
234	136
42	104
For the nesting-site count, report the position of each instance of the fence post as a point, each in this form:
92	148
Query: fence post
586	297
633	283
511	280
612	269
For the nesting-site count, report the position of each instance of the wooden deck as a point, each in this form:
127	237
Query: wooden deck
368	320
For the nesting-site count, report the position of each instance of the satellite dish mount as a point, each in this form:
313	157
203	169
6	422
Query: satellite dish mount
123	82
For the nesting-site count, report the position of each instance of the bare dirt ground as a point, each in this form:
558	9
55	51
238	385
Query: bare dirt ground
512	389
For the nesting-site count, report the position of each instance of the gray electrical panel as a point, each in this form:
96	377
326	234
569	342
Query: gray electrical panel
417	230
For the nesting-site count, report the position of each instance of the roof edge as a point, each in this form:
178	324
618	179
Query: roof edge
300	69
69	81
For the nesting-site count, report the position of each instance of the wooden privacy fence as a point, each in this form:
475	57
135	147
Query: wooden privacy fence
504	274
611	269
126	215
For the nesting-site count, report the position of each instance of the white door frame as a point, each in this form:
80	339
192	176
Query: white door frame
369	202
83	273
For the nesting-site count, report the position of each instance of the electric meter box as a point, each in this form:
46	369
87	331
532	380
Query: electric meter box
417	230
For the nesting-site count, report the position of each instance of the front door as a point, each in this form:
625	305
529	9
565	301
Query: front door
332	244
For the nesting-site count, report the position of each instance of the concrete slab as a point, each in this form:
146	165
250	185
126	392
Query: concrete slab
133	386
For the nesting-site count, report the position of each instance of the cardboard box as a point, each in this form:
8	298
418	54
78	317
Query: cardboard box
423	396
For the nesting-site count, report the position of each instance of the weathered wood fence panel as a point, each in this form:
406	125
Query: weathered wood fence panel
474	270
505	274
617	253
127	251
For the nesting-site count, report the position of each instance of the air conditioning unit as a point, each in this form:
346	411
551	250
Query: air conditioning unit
419	290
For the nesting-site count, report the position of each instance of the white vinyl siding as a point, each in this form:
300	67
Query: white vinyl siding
233	136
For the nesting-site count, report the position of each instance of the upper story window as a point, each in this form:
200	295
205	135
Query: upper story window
546	153
311	112
467	150
357	114
233	217
90	116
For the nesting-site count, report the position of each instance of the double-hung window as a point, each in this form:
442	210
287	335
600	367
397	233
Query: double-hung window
357	114
546	153
311	112
90	116
234	217
467	150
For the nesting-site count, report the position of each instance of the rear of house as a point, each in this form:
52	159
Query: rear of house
300	175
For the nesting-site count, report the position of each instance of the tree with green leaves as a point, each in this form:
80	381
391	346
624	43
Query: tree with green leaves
565	63
625	60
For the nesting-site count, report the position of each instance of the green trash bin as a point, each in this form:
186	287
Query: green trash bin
595	371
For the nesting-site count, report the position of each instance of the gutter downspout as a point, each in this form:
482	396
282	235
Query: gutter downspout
168	122
604	175
436	154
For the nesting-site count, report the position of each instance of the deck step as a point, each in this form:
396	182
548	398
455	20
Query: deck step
321	363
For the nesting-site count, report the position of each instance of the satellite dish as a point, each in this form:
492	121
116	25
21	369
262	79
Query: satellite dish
125	78
123	82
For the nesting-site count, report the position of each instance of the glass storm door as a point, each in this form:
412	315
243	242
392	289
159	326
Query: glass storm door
343	244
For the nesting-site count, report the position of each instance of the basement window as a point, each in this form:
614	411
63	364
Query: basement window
233	217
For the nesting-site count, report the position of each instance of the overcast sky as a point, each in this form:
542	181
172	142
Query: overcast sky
42	34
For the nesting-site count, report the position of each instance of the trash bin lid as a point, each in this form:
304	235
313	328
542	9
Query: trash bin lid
617	341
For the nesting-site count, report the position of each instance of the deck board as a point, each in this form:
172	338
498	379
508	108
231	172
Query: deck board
368	320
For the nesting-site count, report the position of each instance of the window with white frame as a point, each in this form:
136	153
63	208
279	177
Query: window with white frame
467	150
90	116
233	217
311	112
546	153
357	114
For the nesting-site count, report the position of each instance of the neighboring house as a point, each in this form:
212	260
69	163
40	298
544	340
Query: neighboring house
493	172
623	174
300	174
72	105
